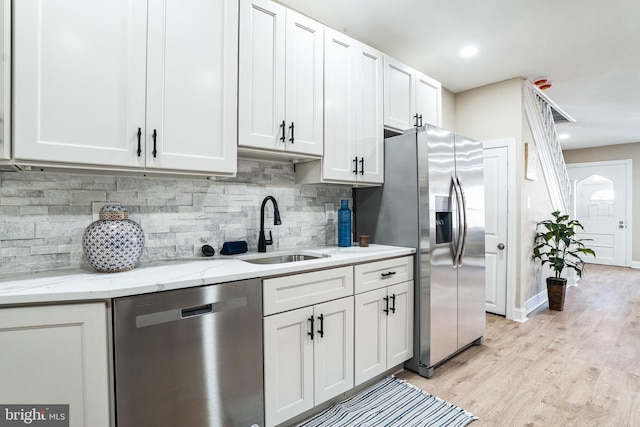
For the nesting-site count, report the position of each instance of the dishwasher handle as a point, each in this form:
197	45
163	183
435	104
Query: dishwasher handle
177	314
197	311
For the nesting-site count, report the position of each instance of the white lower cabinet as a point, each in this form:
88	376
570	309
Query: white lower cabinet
383	329
308	358
321	340
57	355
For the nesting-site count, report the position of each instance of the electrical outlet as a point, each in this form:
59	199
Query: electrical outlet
329	212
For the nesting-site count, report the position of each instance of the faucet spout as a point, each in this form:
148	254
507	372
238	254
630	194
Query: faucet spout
262	241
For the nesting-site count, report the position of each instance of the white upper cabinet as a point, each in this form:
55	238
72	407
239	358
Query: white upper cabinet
280	80
79	81
410	97
5	82
428	100
353	126
341	105
370	135
113	84
192	85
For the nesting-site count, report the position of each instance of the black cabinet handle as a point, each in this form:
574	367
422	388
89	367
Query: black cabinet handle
387	274
355	165
416	122
321	330
393	303
362	166
420	117
293	138
155	134
282	126
311	333
386	300
139	142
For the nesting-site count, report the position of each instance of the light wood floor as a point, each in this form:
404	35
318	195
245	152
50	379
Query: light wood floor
578	367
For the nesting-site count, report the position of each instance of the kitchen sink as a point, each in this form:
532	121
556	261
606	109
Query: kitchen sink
282	258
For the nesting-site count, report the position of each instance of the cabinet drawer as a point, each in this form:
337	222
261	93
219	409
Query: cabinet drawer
299	290
375	275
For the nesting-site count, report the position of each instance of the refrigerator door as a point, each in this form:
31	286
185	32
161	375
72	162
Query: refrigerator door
438	193
471	263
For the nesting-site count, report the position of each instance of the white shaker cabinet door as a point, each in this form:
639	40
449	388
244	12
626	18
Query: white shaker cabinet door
288	365
304	83
400	324
399	94
5	83
370	116
340	106
192	81
57	354
261	89
428	100
384	330
79	81
371	335
333	348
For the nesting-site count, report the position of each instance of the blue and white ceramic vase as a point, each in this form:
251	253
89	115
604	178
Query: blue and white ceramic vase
113	243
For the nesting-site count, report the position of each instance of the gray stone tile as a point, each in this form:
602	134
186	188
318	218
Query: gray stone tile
43	215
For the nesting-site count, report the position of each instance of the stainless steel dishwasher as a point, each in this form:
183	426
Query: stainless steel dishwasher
190	357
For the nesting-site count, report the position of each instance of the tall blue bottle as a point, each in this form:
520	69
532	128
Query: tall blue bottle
344	224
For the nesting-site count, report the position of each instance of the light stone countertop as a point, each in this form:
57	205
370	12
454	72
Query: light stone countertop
85	284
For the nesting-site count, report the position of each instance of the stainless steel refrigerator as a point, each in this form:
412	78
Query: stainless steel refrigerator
433	200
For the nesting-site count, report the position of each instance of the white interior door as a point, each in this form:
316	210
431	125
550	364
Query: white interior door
601	204
496	228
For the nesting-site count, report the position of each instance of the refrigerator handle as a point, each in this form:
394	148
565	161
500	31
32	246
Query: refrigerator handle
458	245
463	209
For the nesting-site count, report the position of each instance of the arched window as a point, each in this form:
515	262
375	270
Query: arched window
595	196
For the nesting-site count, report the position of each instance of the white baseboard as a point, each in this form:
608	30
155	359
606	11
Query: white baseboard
635	264
520	313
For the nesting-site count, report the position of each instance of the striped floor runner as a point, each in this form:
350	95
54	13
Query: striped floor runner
391	403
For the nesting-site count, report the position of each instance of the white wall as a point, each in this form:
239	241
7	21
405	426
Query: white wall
448	110
496	111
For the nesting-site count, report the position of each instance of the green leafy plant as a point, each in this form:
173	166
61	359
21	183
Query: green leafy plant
555	243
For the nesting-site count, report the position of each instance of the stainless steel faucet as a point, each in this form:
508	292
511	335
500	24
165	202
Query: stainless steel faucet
262	241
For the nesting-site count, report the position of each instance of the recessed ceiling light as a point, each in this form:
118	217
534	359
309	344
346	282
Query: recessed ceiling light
563	136
468	51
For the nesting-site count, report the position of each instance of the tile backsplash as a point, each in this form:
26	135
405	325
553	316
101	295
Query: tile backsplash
43	215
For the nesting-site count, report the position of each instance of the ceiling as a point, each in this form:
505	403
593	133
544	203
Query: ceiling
588	49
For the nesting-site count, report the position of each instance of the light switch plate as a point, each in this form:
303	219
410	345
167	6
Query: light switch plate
329	212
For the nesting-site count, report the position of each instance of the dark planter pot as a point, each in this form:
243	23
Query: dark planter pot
556	289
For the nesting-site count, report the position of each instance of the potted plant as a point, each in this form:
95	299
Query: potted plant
555	243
